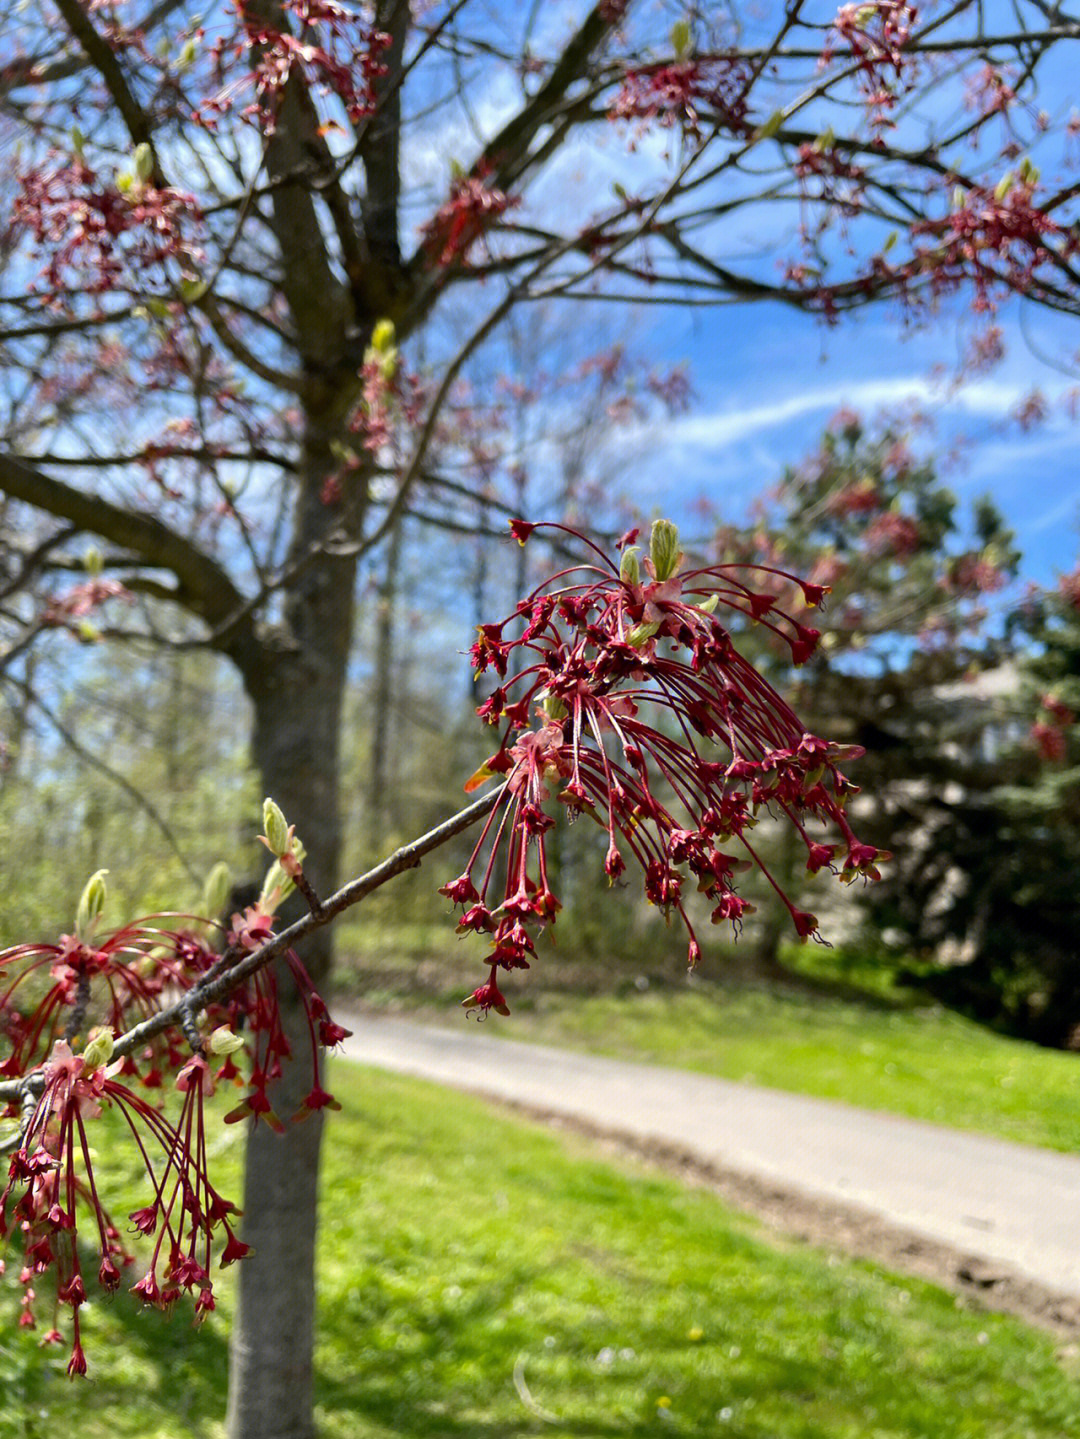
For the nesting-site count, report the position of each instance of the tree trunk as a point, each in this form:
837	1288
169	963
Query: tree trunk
297	697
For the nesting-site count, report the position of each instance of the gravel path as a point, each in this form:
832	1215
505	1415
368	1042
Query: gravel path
980	1212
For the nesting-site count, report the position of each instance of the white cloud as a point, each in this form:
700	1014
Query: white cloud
992	399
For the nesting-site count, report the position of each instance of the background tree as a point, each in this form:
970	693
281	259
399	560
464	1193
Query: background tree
229	228
994	878
869	516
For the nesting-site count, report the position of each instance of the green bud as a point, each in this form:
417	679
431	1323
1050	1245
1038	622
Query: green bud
99	1050
91	903
187	55
216	890
708	607
88	632
641	635
1003	186
770	127
192	291
383	337
78	142
630	569
664	549
124	181
680	39
278	885
144	161
93	561
275	828
553	707
223	1041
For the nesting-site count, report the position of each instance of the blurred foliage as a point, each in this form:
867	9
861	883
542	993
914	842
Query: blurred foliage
994	881
156	790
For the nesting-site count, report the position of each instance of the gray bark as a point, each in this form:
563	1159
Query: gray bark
298	704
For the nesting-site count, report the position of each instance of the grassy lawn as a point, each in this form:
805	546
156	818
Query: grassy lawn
876	1046
484	1278
923	1062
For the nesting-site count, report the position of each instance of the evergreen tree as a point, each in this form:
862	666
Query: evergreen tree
1005	888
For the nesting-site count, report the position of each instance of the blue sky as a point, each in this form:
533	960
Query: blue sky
767	380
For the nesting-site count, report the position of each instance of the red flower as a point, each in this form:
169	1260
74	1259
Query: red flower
634	684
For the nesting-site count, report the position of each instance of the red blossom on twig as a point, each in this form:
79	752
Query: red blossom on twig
465	218
682	94
98	236
630	703
53	992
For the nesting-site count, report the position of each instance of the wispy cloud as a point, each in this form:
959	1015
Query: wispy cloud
714	430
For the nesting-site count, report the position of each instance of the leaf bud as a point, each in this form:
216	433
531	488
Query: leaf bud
144	161
93	561
680	39
275	829
630	568
641	635
91	903
224	1041
192	290
216	890
664	549
279	883
99	1050
770	127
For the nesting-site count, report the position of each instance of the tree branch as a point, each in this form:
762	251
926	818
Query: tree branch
216	987
204	586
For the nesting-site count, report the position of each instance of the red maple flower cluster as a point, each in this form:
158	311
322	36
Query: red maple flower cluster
679	94
876	34
465	218
51	1179
997	239
623	697
334	48
98	236
83	985
1050	735
82	599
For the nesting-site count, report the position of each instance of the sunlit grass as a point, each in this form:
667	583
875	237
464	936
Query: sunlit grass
855	1037
923	1062
482	1277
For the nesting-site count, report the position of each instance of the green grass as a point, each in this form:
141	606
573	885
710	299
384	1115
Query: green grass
923	1062
461	1246
855	1037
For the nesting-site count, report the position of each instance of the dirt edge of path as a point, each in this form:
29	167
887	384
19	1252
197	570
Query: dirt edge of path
979	1283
